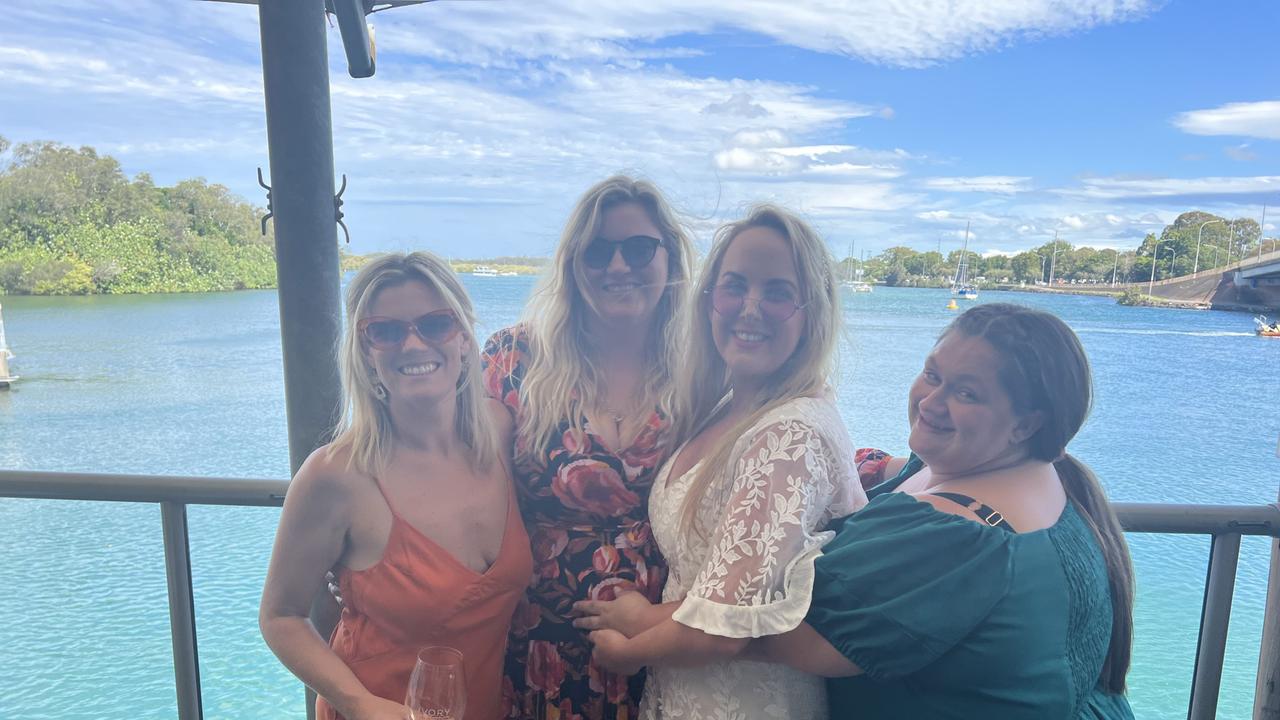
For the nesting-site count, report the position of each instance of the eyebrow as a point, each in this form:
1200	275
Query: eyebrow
731	275
962	378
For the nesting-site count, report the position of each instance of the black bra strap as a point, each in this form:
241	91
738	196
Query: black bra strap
989	515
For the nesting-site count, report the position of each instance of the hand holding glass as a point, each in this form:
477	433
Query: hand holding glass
437	687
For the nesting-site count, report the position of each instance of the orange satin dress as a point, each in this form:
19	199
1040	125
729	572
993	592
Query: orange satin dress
418	595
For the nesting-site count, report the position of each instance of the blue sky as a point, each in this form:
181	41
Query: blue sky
885	123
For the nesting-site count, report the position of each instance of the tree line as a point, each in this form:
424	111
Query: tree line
72	222
1175	251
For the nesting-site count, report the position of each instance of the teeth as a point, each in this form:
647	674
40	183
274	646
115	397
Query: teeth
748	336
621	287
420	369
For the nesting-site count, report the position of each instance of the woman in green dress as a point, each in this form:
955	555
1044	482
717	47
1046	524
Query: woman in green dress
990	577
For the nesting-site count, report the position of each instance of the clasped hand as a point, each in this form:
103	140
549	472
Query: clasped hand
628	614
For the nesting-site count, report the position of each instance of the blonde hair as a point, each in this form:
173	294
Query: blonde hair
563	380
806	373
365	431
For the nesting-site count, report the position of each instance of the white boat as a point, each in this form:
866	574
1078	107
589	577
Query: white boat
960	286
5	354
484	271
853	279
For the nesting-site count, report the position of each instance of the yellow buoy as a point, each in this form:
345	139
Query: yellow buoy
951	304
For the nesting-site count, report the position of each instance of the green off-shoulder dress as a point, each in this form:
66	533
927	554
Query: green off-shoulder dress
950	618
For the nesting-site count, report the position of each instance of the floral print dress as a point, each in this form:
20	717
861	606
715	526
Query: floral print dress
586	509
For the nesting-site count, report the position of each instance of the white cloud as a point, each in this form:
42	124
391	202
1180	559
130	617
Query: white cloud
881	31
1255	119
1073	221
1240	152
934	215
1120	188
1001	184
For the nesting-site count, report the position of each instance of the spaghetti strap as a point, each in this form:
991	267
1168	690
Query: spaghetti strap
988	514
385	498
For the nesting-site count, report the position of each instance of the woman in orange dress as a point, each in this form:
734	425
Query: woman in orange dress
411	506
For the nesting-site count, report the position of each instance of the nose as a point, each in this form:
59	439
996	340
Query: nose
933	403
414	341
751	308
617	265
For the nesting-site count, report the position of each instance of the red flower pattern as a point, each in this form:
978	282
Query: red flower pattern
593	486
586	509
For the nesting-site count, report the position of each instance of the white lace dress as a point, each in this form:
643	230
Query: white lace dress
792	472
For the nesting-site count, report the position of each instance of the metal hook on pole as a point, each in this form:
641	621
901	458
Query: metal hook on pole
337	208
270	210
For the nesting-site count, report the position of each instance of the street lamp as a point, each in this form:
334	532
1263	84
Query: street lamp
1196	269
1053	262
1231	236
1173	264
1155	253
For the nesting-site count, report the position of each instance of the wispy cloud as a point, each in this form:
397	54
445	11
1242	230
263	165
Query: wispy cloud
1132	188
881	31
1002	184
1246	119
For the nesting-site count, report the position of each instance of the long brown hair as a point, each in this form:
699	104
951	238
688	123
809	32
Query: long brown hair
1045	370
563	380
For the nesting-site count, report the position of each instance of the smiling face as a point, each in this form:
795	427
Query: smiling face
619	292
416	370
757	274
962	419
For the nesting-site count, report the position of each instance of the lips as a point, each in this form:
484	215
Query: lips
931	426
620	287
418	369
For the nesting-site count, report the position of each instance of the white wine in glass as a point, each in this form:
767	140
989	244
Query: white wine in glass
438	685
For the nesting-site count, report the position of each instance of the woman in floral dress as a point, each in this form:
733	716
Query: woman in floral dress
587	376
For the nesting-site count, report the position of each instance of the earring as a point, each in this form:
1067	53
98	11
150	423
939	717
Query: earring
380	391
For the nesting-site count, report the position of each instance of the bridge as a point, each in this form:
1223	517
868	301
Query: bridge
1251	284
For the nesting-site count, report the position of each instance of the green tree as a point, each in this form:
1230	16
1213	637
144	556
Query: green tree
72	222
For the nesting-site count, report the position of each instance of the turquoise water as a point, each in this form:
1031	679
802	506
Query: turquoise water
191	385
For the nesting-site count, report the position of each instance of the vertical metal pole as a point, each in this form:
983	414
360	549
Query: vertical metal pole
295	73
182	610
1266	698
1215	616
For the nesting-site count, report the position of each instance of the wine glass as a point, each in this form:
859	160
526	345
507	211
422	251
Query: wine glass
437	687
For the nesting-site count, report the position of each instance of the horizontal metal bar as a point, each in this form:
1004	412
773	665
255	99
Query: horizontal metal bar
1135	517
1199	519
142	488
1215	617
182	610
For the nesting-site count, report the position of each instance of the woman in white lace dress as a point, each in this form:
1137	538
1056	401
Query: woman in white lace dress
738	510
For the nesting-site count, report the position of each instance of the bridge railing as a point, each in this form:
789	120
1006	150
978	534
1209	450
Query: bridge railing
1225	524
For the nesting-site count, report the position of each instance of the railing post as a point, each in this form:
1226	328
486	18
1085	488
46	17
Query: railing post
1266	697
182	610
295	80
1215	617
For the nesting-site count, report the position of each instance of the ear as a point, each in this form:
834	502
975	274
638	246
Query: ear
1026	426
464	344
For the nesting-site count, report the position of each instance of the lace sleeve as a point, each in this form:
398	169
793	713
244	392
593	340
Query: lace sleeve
758	576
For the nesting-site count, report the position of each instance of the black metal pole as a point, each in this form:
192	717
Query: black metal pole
295	73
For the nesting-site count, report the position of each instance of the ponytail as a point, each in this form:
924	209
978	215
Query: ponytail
1083	489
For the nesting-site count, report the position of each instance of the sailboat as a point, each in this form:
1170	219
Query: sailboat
961	287
5	354
853	279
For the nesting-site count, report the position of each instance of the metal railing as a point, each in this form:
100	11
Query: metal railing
1225	524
